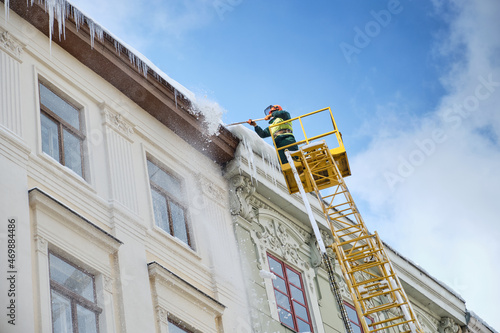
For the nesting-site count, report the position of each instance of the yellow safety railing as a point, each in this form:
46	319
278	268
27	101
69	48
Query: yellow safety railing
321	127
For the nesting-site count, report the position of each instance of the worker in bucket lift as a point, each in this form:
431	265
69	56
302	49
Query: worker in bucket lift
282	134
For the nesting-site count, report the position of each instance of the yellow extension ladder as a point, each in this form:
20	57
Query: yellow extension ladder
378	296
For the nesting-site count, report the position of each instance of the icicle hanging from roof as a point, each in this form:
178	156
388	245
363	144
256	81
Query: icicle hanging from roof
60	10
6	6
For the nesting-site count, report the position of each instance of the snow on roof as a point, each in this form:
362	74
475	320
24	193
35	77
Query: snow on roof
60	10
252	144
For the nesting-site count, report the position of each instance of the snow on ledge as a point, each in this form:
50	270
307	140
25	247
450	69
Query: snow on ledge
251	144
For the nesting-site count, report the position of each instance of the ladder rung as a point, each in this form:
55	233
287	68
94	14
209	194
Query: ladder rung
384	307
340	216
367	266
361	254
380	293
393	325
333	195
338	205
371	282
350	227
355	240
386	321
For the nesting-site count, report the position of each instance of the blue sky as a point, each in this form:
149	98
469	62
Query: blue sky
414	86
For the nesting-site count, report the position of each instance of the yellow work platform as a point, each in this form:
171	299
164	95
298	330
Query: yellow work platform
328	133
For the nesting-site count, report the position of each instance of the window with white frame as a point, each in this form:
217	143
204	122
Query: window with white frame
62	130
73	298
290	296
169	202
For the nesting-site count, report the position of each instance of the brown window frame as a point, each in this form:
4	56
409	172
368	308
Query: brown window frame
170	198
64	125
74	298
284	268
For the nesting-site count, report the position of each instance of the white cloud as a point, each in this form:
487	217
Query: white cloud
432	189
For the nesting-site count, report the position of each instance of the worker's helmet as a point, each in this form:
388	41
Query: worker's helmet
271	108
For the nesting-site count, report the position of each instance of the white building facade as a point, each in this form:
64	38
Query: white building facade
115	215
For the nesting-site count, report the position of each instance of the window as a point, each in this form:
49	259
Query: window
169	203
74	308
176	328
353	317
290	296
62	135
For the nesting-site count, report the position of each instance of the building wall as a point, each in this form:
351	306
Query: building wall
103	222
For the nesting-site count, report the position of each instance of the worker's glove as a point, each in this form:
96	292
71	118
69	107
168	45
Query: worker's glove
269	116
251	122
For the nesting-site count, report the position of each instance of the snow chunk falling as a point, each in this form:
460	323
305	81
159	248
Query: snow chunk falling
267	275
211	111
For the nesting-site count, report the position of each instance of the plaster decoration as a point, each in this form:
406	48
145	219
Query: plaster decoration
213	191
42	245
116	121
448	325
108	283
327	237
162	314
429	325
276	238
316	259
242	189
10	44
343	288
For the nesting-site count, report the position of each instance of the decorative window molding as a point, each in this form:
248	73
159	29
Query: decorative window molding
59	230
175	298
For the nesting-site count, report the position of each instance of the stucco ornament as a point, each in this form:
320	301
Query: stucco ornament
243	190
10	44
448	325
